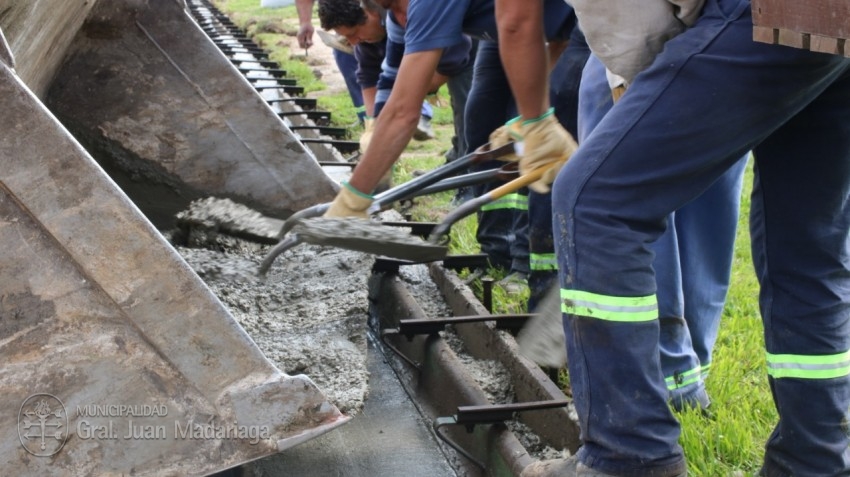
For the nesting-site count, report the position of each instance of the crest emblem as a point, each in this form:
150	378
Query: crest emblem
43	424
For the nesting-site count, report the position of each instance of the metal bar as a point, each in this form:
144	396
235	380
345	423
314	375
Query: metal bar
430	326
343	146
314	115
493	413
274	72
289	89
273	64
459	262
280	82
338	133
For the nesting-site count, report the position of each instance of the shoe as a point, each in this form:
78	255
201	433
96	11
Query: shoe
569	467
515	283
335	41
424	131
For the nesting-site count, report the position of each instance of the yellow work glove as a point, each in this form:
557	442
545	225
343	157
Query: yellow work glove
541	141
502	136
349	202
366	137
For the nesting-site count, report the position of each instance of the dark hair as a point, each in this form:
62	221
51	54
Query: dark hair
341	13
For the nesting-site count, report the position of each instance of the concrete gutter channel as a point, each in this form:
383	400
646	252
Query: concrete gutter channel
443	386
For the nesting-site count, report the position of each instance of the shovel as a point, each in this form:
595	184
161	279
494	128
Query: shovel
368	236
473	205
542	338
410	188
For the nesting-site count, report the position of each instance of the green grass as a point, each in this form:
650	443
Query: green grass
729	444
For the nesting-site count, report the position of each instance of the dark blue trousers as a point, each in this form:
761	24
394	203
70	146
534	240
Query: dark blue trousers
710	96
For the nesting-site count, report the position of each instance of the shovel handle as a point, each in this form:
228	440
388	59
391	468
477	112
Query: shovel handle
317	210
409	188
473	205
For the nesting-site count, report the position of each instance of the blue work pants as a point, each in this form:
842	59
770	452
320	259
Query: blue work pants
502	225
710	96
564	84
693	262
459	86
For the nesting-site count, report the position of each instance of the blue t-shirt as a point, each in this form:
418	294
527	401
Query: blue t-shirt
433	24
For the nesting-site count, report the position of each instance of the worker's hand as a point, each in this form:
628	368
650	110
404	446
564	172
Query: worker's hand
349	202
542	141
502	136
366	137
305	35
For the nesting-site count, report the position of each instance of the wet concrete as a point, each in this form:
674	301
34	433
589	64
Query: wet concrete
388	438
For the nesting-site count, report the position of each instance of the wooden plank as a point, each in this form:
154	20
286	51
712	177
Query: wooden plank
827	18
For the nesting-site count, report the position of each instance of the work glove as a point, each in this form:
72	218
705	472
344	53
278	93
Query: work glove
541	141
366	137
349	202
502	136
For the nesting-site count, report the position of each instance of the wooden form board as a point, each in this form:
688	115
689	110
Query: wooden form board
816	25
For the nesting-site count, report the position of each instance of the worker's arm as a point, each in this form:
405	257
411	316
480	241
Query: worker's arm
395	125
369	57
369	100
305	22
522	47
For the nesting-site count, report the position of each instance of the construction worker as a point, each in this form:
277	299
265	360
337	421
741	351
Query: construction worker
343	55
347	63
508	225
687	117
378	48
429	28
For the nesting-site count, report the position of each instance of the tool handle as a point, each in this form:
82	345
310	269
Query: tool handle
409	188
473	205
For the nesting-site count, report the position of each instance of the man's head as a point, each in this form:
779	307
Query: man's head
358	21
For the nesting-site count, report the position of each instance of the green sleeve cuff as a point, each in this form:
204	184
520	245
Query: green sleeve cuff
545	115
355	191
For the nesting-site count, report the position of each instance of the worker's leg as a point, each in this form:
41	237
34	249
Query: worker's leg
706	229
710	97
799	224
679	361
347	64
503	224
564	84
458	87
